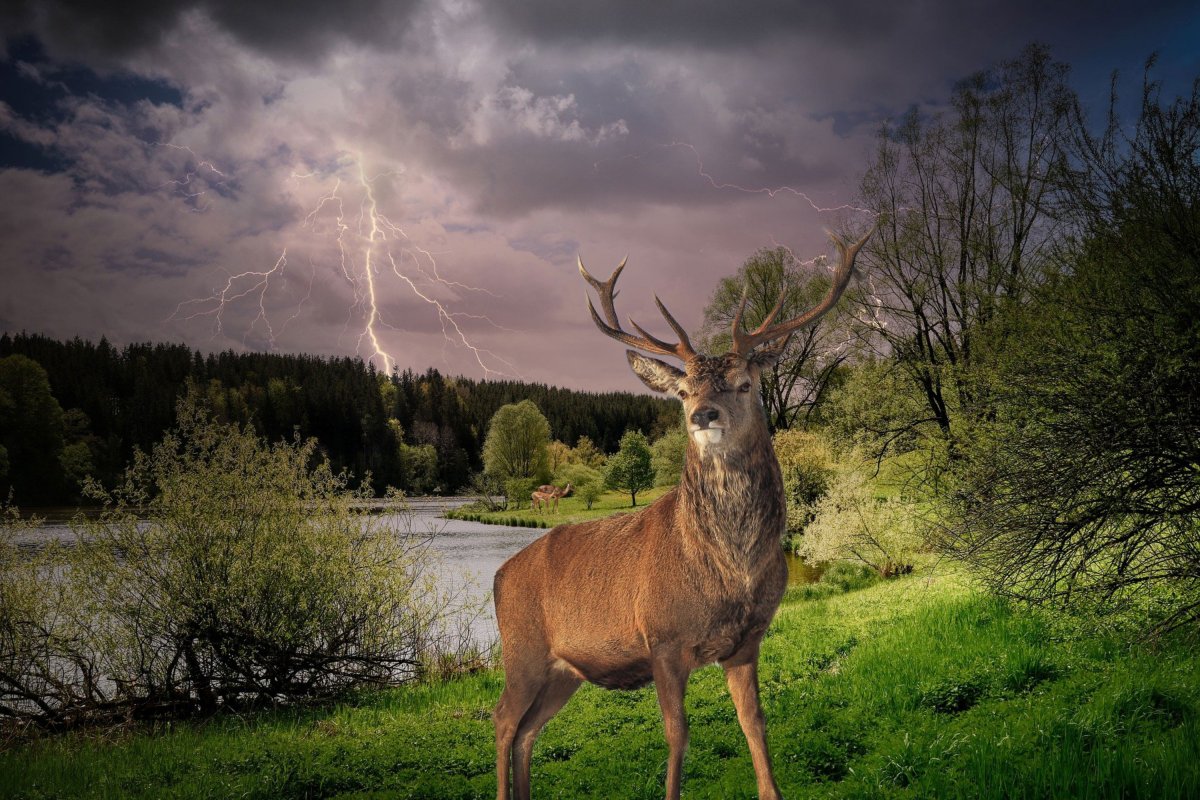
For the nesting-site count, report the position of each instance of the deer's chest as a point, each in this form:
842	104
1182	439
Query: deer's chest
713	625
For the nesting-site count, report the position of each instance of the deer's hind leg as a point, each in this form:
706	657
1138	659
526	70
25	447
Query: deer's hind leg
553	696
514	702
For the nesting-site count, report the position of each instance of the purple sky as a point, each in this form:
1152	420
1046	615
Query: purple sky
151	152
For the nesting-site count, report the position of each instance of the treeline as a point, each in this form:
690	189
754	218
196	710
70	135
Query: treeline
415	432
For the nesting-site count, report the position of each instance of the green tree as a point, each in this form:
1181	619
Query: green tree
630	468
794	386
966	203
852	522
516	444
226	569
558	454
1082	482
31	430
585	452
667	455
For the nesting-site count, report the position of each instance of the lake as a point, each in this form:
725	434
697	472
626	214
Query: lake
469	553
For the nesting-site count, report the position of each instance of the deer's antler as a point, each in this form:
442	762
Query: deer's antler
651	344
746	341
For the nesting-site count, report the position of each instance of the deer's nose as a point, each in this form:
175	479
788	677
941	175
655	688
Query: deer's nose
704	415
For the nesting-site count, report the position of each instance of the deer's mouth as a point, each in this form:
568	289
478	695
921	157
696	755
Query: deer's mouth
708	435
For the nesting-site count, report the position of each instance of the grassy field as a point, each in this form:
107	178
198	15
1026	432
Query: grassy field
570	509
918	687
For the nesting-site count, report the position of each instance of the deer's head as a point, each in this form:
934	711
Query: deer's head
720	396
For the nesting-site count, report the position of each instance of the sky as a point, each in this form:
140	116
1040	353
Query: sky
412	181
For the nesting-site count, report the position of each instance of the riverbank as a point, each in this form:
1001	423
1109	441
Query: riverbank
570	509
915	687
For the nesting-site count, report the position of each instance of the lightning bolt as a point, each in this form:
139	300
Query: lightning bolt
371	251
198	170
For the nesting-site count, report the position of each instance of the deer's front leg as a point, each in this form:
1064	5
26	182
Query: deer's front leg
670	681
741	674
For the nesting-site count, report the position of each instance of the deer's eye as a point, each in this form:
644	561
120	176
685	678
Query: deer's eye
745	387
683	395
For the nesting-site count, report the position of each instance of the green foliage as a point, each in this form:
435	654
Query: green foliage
1081	485
557	456
585	452
127	397
516	443
851	686
519	491
851	522
630	469
806	460
418	464
31	430
879	408
667	456
965	201
587	483
224	571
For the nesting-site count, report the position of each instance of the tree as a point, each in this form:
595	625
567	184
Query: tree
557	454
516	443
630	468
1082	481
794	386
667	455
31	430
965	201
585	452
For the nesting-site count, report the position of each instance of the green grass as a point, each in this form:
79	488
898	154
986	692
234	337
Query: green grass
912	688
570	509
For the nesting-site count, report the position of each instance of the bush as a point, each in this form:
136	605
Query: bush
587	483
851	523
806	460
223	571
519	490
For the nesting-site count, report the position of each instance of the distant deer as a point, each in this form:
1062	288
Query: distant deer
547	493
693	578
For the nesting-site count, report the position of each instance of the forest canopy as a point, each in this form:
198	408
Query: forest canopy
91	405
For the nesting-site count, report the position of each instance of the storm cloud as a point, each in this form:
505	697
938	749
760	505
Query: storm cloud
154	151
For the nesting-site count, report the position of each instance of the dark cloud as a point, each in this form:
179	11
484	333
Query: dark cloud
924	28
710	23
88	30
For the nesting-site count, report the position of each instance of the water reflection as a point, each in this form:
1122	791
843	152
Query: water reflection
469	553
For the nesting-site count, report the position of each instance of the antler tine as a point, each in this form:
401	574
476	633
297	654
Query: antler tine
740	336
651	344
744	342
606	290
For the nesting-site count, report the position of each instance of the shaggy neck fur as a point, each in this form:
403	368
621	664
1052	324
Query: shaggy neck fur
732	505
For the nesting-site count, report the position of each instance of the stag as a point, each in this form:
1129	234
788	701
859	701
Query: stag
693	578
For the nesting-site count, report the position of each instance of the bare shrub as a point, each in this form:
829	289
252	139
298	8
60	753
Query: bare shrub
222	572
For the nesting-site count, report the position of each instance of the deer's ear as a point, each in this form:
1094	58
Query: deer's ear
658	375
768	356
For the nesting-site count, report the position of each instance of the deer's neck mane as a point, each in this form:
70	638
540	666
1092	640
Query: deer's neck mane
731	505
